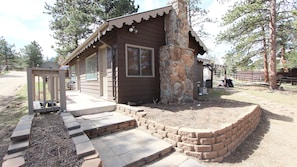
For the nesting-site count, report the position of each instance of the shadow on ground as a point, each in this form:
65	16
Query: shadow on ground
252	143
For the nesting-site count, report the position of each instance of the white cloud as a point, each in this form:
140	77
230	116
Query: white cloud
216	11
25	9
25	22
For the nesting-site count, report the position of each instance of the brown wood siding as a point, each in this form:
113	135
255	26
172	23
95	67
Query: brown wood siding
150	34
198	77
110	39
88	87
198	66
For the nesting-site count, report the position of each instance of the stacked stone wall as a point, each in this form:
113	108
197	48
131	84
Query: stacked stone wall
208	145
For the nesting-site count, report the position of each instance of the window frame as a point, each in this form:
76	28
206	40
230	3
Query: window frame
86	68
140	70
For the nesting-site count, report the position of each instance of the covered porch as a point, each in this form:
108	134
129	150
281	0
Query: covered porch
82	104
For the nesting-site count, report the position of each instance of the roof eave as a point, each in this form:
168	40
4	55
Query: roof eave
86	43
193	33
117	22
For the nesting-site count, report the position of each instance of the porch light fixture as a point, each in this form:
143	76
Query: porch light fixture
133	29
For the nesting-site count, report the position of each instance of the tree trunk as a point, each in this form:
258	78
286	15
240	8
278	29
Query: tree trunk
266	74
272	26
283	59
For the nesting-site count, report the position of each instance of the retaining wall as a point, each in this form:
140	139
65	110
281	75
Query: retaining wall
208	145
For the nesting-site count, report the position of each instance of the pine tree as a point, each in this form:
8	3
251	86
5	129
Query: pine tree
249	23
7	53
247	31
272	62
74	20
33	54
197	17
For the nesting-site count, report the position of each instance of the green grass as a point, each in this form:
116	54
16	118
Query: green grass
214	94
286	96
48	94
15	109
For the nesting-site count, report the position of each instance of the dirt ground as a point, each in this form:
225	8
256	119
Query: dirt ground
50	144
11	106
272	144
202	114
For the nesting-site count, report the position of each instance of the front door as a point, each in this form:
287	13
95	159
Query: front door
103	71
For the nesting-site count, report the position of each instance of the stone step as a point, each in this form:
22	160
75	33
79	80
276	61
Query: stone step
15	147
130	148
22	129
95	125
176	159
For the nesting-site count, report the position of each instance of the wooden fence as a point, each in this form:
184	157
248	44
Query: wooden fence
46	90
249	76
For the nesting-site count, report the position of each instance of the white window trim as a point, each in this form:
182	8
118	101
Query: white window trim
92	79
153	61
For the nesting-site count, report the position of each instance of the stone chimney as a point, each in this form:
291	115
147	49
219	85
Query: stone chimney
176	24
176	58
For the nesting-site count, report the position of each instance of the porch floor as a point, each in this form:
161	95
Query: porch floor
81	104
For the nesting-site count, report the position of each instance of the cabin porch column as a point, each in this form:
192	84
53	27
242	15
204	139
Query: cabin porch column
176	58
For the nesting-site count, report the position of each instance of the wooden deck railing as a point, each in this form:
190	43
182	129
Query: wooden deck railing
46	90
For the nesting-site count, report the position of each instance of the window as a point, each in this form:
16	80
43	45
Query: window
73	73
139	61
91	67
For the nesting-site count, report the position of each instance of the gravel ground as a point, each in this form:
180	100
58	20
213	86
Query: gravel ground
50	143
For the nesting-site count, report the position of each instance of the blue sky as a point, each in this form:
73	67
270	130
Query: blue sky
25	22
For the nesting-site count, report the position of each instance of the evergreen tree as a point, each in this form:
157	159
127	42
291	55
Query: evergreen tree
247	31
74	20
197	17
249	23
115	8
33	54
7	53
272	27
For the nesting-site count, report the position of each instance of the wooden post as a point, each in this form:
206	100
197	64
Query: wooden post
44	90
51	88
30	93
211	75
57	88
38	81
33	86
62	90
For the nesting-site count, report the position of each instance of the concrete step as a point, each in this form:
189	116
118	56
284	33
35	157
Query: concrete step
79	104
78	110
99	124
176	159
130	148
